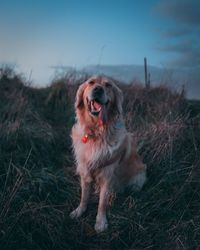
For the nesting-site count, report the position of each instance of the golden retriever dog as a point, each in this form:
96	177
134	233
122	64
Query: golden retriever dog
105	152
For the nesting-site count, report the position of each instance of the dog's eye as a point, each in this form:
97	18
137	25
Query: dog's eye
108	84
92	82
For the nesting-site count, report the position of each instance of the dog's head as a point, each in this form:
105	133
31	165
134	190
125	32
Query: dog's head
98	99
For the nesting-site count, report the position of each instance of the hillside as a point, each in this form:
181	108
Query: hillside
38	187
173	77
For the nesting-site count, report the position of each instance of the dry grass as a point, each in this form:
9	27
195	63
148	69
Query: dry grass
38	188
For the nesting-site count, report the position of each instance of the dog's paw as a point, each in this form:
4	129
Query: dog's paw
77	213
101	225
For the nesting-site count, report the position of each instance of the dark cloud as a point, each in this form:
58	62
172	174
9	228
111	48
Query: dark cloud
182	11
175	33
180	47
188	59
183	39
188	53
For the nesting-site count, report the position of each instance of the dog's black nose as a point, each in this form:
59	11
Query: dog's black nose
98	90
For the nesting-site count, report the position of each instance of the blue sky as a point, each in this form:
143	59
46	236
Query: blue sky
36	35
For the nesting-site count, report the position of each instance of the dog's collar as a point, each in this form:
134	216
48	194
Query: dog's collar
117	125
88	136
85	138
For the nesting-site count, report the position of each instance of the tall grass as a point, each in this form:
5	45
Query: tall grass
38	187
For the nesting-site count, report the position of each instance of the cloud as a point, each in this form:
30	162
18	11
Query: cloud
181	11
176	32
180	47
183	32
189	59
188	53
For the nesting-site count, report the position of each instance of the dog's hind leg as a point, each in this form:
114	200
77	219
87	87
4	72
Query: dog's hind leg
138	180
85	193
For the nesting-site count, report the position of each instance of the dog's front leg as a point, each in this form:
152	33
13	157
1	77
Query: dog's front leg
85	193
101	220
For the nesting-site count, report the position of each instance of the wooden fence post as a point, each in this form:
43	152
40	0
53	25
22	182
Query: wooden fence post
147	77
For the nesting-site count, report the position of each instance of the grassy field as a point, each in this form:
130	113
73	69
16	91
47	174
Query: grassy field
38	187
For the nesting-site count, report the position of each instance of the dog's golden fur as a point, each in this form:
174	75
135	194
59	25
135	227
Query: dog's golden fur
108	157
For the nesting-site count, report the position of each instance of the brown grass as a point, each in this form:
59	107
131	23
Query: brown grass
38	188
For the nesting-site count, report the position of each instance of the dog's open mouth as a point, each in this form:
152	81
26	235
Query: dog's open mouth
95	107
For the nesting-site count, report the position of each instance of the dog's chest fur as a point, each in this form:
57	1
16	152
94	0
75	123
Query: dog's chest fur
95	152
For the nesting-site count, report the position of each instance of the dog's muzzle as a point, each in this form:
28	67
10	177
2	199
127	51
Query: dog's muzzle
97	100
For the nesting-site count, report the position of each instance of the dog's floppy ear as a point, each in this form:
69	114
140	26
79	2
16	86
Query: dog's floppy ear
118	99
79	97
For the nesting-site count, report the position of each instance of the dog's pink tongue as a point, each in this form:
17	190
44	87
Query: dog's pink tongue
96	105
